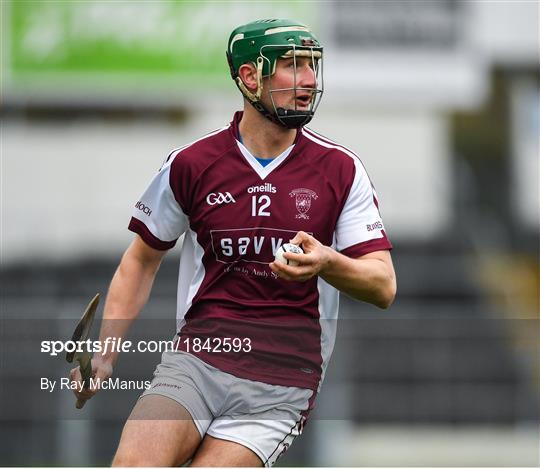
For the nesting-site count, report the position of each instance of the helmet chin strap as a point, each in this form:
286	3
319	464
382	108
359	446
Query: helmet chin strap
293	119
288	118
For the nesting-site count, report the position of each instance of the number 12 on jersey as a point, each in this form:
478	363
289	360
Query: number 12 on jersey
259	204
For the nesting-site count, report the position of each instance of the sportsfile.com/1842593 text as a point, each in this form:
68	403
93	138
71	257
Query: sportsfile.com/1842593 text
118	345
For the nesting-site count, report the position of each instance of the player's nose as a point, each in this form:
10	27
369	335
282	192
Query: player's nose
307	77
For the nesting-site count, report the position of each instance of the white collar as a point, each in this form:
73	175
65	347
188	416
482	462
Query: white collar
261	170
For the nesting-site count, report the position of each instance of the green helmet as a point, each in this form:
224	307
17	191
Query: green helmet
261	43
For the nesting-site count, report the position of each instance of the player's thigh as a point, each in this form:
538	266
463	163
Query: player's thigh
217	452
159	432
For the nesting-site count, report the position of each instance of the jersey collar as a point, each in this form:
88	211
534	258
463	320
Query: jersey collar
262	171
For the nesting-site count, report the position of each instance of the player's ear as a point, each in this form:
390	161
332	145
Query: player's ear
248	74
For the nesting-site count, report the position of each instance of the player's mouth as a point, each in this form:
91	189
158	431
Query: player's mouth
303	100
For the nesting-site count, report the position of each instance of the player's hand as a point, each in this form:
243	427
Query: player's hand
101	371
314	260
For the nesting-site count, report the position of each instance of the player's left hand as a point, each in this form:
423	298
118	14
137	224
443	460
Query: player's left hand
314	260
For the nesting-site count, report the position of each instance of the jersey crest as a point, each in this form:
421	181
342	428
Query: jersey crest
303	197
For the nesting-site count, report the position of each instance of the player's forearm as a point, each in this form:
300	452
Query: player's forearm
369	280
128	293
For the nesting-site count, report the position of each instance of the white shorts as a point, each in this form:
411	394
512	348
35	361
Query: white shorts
262	417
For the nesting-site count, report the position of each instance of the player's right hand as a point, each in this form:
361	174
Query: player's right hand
101	371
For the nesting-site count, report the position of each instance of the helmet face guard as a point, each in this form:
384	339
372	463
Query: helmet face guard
295	118
263	43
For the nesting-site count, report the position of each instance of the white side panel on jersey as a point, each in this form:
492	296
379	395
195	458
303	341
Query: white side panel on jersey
328	315
158	209
360	219
190	276
359	213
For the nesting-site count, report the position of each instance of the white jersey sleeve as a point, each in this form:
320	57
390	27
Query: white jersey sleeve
359	227
157	216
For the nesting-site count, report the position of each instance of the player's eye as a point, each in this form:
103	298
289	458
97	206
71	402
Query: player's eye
314	64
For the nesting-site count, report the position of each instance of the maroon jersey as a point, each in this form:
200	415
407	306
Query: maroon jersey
235	214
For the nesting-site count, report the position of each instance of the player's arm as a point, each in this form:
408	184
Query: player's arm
370	278
127	295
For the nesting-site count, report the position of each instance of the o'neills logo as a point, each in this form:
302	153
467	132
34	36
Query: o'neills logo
302	199
267	187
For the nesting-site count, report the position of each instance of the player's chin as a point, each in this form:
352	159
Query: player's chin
301	105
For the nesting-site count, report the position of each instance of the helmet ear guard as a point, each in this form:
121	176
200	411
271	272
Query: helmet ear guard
252	97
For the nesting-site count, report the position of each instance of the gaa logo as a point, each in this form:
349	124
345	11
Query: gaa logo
219	198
